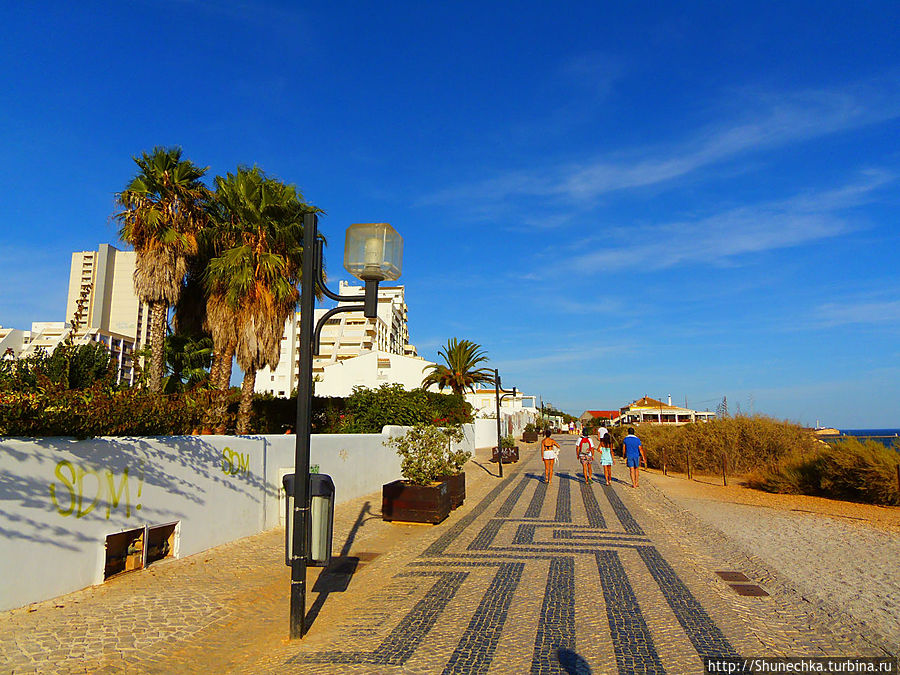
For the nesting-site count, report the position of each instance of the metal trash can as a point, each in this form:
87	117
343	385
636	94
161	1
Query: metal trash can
320	523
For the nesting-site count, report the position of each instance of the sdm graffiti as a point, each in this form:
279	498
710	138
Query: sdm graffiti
100	485
234	462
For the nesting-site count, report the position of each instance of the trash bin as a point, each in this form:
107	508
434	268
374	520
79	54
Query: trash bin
320	523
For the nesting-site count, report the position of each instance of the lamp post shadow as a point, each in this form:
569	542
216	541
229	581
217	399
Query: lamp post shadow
336	577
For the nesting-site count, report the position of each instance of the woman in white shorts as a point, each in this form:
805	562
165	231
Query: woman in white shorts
549	455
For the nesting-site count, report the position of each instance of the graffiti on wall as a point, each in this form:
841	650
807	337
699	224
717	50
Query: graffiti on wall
234	463
79	489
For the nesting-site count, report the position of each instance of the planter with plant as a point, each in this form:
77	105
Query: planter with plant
509	450
530	435
423	496
454	475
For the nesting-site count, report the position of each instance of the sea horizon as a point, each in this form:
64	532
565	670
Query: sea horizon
887	437
870	432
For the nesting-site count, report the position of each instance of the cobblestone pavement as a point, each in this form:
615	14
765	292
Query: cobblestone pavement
525	577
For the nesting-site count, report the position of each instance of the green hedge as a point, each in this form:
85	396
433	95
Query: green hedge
98	412
101	410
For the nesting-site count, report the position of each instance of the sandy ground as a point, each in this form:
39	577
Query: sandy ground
843	554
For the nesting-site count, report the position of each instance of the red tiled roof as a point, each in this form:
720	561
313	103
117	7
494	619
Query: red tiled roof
608	414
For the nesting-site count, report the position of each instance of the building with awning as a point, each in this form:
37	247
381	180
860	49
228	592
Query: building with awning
648	410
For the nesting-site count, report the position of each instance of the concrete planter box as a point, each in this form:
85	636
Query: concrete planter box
457	486
415	503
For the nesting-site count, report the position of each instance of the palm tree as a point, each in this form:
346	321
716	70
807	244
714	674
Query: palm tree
188	360
252	282
163	212
460	373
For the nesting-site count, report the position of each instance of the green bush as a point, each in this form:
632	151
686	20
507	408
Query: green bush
272	415
68	367
426	454
847	469
368	410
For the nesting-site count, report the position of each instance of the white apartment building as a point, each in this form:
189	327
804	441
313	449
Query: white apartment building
346	336
102	307
102	298
44	335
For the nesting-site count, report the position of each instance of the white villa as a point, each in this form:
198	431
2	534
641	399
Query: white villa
648	410
371	370
515	411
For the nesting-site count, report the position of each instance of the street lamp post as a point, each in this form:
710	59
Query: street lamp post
497	390
373	252
543	423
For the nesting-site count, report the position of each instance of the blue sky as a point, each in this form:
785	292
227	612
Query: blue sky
695	199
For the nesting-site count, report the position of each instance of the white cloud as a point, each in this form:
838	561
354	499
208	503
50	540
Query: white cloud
563	355
768	121
720	238
846	313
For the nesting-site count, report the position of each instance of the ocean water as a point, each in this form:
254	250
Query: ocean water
887	437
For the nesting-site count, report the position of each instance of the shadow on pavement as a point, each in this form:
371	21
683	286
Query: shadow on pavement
336	577
571	662
487	470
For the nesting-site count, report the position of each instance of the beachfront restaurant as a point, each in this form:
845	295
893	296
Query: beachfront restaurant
648	410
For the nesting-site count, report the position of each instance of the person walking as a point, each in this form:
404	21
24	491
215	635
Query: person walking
633	452
549	455
606	457
584	451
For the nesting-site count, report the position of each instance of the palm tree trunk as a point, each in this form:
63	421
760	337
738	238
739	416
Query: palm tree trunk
214	371
225	369
157	345
246	407
220	382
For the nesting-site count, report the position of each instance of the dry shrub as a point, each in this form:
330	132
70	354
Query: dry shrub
847	469
747	443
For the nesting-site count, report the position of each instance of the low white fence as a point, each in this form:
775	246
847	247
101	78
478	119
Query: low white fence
60	498
510	424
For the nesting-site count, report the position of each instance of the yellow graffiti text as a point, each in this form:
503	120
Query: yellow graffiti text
70	497
234	462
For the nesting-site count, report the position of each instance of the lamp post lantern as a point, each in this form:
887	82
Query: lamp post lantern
373	252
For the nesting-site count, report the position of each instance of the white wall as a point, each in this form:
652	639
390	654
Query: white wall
486	428
358	463
339	378
60	498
